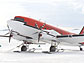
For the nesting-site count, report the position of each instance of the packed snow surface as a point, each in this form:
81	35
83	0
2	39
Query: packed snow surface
71	55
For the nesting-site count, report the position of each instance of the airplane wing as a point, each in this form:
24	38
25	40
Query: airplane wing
71	39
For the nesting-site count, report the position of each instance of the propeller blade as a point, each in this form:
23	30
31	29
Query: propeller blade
3	36
8	28
39	35
10	36
9	39
7	33
35	33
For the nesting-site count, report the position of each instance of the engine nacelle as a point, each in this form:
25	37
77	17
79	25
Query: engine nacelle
48	36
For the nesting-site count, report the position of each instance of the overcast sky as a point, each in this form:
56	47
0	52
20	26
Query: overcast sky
64	13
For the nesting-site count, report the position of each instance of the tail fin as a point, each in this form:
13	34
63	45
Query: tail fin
82	31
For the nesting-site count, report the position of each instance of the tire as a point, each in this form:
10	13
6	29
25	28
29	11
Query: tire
81	49
52	49
23	48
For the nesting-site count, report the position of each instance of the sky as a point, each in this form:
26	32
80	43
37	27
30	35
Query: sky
64	13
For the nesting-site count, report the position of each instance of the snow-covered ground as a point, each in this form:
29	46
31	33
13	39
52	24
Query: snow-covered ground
8	56
65	57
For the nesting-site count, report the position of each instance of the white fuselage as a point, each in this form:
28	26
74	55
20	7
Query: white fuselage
72	40
27	31
33	32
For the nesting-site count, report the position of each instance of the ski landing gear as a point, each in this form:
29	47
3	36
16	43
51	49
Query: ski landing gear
23	48
81	49
52	49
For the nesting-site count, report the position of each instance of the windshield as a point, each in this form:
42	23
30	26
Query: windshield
19	19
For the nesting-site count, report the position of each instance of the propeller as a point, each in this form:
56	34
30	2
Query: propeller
39	33
7	36
10	36
10	32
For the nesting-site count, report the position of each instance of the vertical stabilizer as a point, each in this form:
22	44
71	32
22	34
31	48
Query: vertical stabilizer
82	31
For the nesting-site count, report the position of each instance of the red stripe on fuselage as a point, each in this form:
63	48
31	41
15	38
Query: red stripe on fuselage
32	22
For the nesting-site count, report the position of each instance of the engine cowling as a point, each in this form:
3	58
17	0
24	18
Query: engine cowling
48	36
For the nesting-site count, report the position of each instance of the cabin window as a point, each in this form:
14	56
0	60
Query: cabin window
36	25
19	19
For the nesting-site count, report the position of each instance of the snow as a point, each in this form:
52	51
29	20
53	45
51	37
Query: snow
65	57
8	56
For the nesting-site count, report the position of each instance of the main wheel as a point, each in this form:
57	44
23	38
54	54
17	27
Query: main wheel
52	49
81	49
23	48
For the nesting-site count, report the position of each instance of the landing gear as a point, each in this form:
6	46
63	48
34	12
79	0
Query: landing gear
54	46
23	48
81	49
52	49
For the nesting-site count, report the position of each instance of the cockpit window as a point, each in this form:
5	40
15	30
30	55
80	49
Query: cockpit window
19	19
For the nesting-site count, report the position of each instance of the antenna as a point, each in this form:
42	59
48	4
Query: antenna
39	19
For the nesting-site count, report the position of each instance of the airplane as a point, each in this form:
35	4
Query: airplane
32	31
